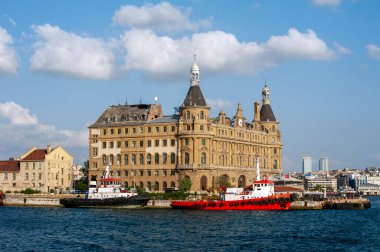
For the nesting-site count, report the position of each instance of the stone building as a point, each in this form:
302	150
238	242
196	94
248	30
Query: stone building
38	169
153	151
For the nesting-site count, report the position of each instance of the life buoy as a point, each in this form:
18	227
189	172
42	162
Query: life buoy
269	201
231	204
281	199
236	203
275	200
287	199
221	205
263	202
242	204
196	206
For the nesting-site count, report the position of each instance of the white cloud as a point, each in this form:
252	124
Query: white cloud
162	16
218	104
8	58
373	51
17	114
218	52
58	51
328	3
23	130
340	49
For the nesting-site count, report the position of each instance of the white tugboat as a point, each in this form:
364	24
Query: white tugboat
109	194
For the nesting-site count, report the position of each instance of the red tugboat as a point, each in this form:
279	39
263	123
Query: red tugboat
258	196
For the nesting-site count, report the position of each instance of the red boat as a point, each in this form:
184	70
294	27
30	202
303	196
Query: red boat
258	196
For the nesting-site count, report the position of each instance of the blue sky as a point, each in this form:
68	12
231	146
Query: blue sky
63	62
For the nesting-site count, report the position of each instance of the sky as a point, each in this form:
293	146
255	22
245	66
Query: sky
62	63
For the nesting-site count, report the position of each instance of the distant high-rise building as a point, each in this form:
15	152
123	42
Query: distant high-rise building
307	166
324	164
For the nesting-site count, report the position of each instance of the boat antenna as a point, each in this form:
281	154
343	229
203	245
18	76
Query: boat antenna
258	168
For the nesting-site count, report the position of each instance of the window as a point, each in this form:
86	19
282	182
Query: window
118	159
164	158
104	145
188	127
141	130
126	131
126	144
104	159
118	173
149	174
172	158
133	159
111	145
173	128
26	176
186	141
112	131
133	144
203	158
172	184
134	130
165	129
203	141
141	158
40	176
188	115
275	164
165	142
156	143
104	132
40	164
201	128
172	173
164	173
118	131
156	173
202	115
126	174
26	165
125	159
14	176
111	159
141	143
156	158
187	158
5	176
149	159
149	143
94	153
275	151
141	173
33	176
149	129
164	185
172	142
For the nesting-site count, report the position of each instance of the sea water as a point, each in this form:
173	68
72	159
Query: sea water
61	229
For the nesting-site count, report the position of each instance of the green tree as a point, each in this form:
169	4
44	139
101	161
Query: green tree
80	185
318	188
185	184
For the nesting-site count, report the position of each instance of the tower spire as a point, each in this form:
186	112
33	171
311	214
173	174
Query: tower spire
194	73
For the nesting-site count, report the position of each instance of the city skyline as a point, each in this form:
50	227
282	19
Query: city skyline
64	62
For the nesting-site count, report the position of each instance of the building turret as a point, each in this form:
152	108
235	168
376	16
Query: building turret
239	119
266	113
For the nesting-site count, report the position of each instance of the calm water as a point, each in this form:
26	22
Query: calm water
59	229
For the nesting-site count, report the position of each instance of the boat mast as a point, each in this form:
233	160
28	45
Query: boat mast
258	168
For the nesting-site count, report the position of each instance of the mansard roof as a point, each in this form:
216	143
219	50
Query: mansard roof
266	113
195	97
128	114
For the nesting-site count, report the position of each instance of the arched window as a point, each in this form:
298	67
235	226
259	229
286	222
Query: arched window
125	184
156	158
149	159
187	158
172	184
141	185
203	183
172	158
141	158
202	116
273	128
126	159
149	185
188	115
164	158
203	158
164	185
118	159
111	159
156	186
104	159
133	159
275	164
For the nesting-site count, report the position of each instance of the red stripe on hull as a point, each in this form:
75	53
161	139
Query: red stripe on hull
262	204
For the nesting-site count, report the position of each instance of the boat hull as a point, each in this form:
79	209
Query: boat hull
134	201
261	204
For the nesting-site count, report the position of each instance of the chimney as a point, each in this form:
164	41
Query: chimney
48	148
256	109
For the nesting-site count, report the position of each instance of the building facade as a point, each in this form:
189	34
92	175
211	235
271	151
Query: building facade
307	165
324	164
39	169
155	152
